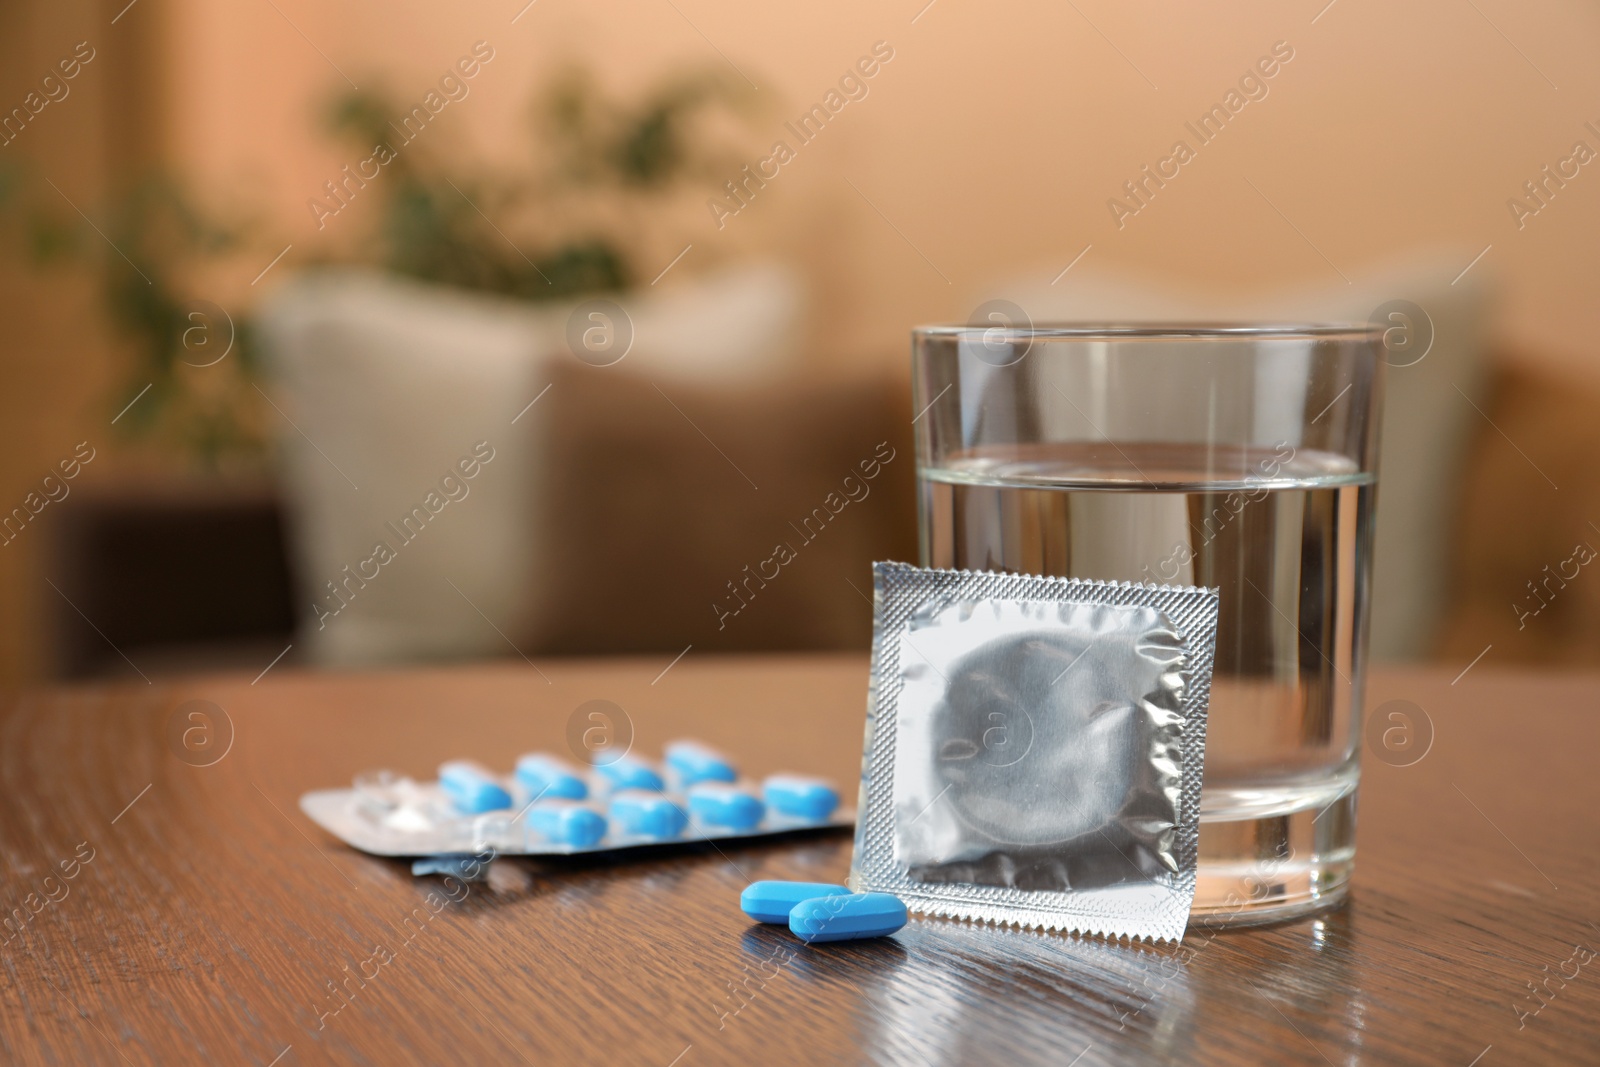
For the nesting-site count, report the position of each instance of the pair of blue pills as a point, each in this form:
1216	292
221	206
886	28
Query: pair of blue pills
823	911
633	814
689	762
544	775
643	813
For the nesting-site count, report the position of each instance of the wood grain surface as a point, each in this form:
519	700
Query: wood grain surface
162	912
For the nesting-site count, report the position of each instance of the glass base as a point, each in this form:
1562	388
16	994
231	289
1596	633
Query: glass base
1279	867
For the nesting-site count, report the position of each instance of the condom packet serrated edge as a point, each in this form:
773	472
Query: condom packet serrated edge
1151	900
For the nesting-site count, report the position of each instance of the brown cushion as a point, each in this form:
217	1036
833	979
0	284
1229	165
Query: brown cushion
1515	522
659	497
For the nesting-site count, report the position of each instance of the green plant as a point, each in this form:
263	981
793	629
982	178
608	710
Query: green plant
597	140
437	227
432	222
153	240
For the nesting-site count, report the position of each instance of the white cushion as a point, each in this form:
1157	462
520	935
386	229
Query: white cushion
384	385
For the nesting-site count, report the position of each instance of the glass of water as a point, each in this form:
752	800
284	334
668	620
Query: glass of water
1238	457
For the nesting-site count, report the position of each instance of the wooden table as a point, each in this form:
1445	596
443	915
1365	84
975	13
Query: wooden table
207	920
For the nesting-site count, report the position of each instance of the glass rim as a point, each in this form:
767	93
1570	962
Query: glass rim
1156	331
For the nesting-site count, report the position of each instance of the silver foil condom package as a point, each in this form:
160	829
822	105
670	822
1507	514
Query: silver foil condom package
1034	749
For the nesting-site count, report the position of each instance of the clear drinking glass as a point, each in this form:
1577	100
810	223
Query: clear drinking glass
1238	457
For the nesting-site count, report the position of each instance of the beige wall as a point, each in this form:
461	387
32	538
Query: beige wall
56	370
992	142
994	138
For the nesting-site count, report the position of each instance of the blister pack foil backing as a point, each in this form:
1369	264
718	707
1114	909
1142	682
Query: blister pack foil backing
1034	749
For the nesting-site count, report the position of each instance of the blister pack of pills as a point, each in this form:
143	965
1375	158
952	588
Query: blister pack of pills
550	806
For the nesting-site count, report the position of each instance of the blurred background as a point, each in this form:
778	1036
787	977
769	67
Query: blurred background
363	333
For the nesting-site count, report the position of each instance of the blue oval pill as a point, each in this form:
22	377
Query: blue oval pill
695	762
567	823
721	804
771	902
847	918
647	813
629	773
471	787
547	776
797	797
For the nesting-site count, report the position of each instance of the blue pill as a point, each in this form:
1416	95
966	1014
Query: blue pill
567	823
813	799
771	902
546	777
721	804
471	787
847	918
695	762
629	773
648	814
